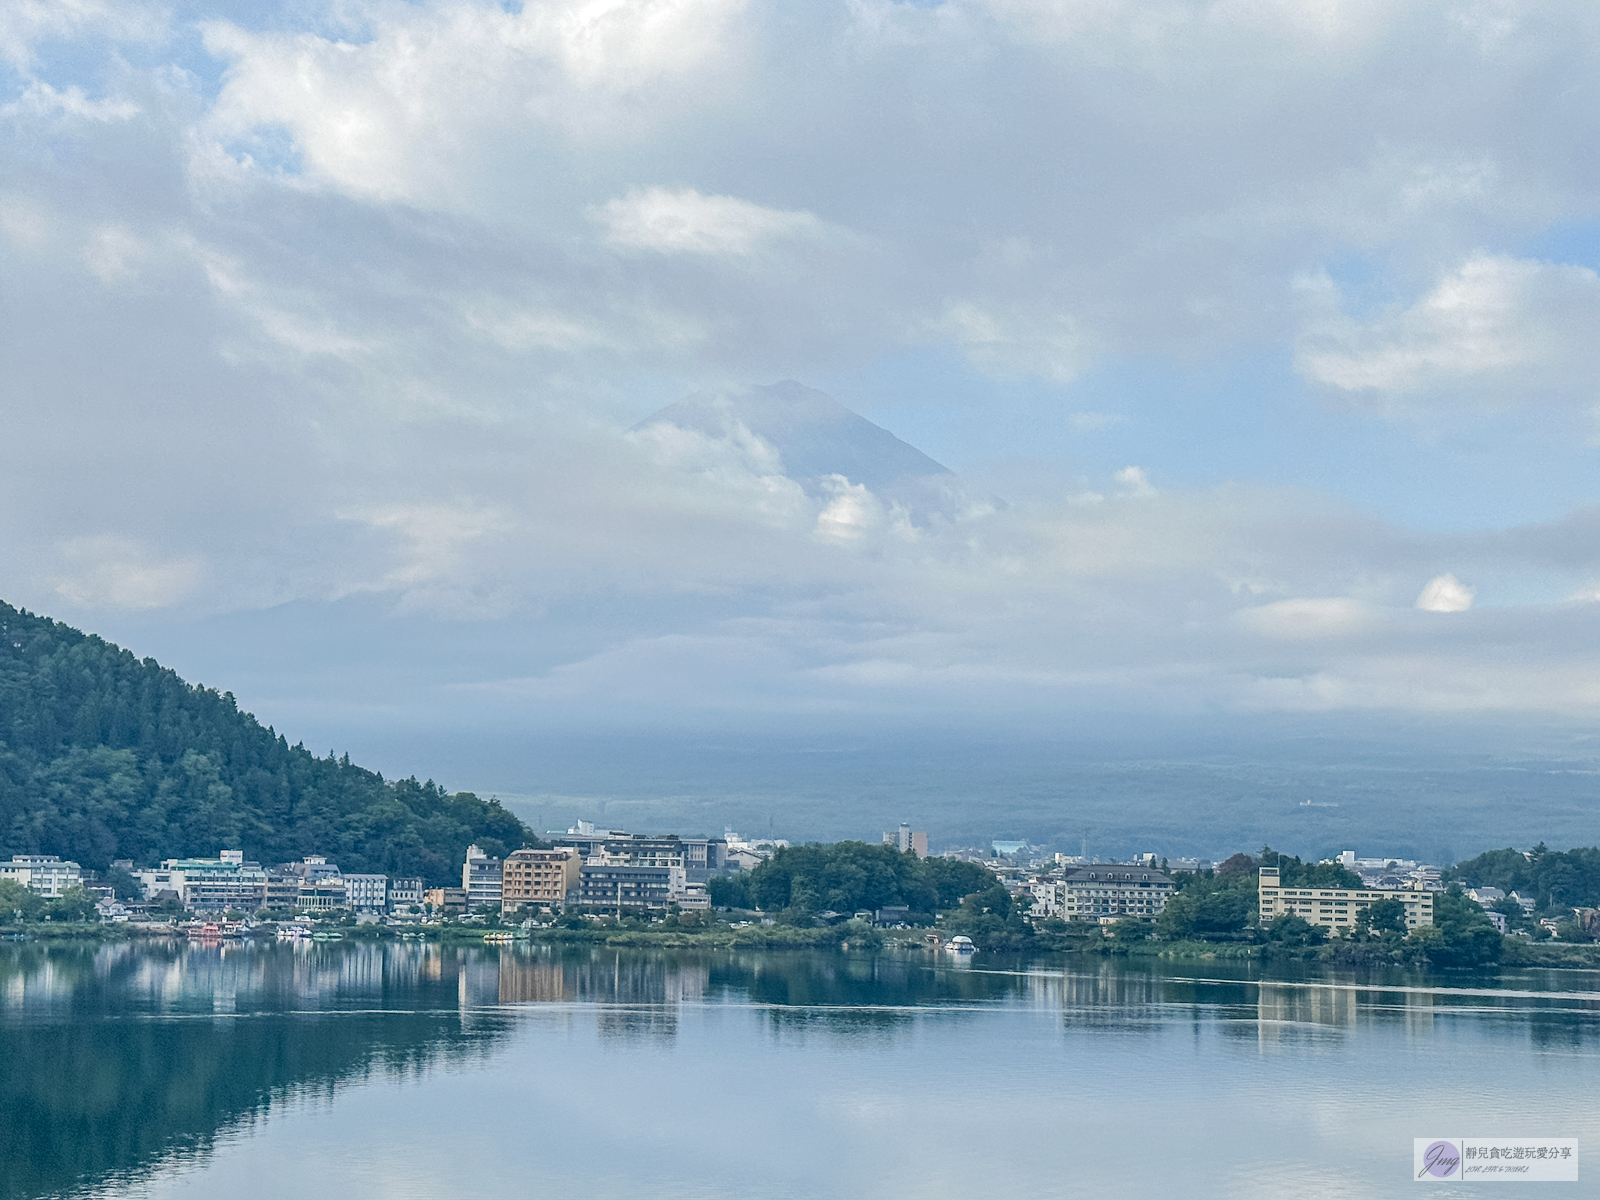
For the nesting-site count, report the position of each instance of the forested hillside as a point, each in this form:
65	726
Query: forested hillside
106	756
1552	878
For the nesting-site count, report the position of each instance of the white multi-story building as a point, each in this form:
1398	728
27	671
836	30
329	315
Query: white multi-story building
481	878
1336	908
208	884
367	893
1049	897
45	874
1101	893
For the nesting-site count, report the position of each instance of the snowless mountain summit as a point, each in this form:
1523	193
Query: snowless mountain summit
814	435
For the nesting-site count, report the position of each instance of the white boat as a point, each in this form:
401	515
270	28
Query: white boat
294	933
960	945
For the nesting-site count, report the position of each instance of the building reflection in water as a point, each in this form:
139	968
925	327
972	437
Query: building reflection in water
635	994
1288	1011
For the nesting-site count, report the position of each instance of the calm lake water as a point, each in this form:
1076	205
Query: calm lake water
414	1071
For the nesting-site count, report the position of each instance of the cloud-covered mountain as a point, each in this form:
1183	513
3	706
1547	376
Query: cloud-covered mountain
805	436
814	435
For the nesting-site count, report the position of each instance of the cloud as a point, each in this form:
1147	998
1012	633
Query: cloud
685	222
417	109
1135	482
1495	331
119	573
1309	618
364	322
26	24
39	99
1445	594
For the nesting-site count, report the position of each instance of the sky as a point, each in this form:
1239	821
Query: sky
1262	337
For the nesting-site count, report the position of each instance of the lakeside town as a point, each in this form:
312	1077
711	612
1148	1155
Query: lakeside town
594	874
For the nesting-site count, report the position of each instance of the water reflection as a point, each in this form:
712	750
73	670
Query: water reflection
121	1057
117	1059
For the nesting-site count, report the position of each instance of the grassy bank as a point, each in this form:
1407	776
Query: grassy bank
1520	952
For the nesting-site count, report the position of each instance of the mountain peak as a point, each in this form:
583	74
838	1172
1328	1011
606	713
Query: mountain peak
813	433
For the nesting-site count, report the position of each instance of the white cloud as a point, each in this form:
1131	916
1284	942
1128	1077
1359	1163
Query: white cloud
1445	594
1309	618
39	99
685	222
851	514
408	112
1135	482
1496	330
25	24
113	254
118	573
369	319
1023	340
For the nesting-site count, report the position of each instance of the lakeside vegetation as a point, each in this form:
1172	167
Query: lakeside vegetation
106	756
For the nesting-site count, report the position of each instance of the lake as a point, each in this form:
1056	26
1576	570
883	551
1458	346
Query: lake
411	1070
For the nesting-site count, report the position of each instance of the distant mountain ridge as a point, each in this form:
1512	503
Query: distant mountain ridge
106	756
815	435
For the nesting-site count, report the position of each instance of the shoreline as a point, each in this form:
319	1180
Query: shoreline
1517	953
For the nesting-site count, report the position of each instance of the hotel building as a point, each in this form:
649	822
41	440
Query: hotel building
538	877
1336	908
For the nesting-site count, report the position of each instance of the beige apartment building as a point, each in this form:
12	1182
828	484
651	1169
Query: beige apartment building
1102	893
538	877
1336	908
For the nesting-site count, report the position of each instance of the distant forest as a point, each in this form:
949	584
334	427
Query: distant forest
106	756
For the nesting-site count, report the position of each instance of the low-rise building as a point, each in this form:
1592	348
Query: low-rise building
447	900
535	878
403	893
313	867
45	874
1336	908
1101	893
481	878
112	911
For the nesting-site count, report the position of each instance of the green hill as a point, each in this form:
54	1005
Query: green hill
106	756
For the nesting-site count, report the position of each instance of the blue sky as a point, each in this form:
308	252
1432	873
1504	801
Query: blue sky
1261	336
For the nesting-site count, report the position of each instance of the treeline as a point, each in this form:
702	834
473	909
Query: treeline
1224	905
799	882
1553	879
847	877
106	756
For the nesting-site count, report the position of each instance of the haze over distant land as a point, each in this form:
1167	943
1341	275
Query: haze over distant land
1184	383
